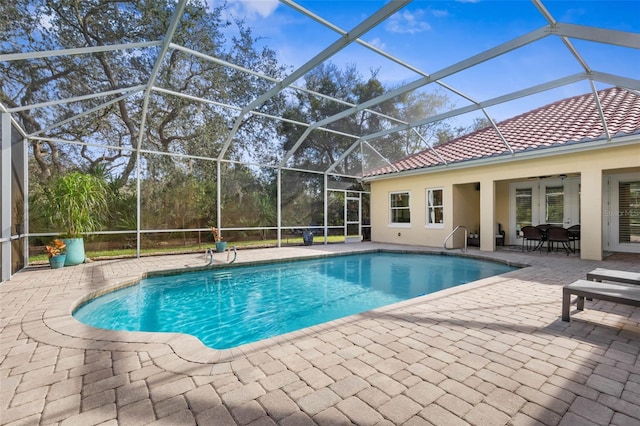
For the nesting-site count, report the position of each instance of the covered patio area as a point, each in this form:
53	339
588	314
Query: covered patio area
491	352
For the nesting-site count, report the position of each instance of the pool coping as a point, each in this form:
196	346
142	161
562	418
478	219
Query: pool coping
191	350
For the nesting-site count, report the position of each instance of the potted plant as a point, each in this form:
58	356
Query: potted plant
77	205
56	253
221	246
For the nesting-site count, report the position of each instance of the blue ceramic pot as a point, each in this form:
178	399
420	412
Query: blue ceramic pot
75	251
57	261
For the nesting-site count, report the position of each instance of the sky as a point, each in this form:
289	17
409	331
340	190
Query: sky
432	35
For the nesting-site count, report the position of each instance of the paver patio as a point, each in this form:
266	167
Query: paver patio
492	352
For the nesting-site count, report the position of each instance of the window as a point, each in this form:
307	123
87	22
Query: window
524	205
629	212
400	212
554	205
435	208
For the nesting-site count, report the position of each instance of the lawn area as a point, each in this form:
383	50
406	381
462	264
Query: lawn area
41	258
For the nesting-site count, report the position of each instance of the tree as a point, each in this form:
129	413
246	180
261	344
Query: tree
110	134
446	133
321	149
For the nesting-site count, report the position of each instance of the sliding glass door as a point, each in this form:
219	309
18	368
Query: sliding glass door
554	201
623	214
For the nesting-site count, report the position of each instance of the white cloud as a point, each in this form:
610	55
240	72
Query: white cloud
251	8
438	13
407	22
377	42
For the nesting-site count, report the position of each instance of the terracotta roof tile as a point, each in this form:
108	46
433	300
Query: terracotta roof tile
569	121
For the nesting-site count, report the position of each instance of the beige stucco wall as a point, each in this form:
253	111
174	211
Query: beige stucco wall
464	205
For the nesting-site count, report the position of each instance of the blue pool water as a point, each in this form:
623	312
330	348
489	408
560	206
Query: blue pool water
229	307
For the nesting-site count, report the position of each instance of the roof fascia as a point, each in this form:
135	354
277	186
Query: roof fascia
540	153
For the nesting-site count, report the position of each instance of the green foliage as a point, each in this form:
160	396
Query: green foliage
173	124
179	192
77	203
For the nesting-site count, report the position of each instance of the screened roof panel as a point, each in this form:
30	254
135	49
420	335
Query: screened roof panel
489	79
196	84
609	58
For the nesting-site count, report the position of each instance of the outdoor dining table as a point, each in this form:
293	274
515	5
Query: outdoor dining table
573	235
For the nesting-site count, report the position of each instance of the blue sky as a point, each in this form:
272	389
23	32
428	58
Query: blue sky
431	35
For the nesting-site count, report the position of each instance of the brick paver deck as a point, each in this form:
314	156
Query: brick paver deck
492	352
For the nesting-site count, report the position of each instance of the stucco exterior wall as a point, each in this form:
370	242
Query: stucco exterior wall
464	205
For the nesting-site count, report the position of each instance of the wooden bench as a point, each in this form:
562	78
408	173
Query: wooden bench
611	292
626	277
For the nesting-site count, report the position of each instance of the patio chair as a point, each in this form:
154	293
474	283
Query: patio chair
574	235
529	234
556	234
500	236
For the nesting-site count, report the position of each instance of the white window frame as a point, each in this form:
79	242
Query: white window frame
535	207
611	213
399	224
428	224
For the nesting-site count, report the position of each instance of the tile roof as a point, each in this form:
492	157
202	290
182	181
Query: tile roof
569	121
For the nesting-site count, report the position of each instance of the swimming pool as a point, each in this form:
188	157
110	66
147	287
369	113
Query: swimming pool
228	307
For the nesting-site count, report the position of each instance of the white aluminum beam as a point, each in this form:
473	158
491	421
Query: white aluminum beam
13	121
431	147
272	79
76	98
383	54
378	51
474	60
361	42
470	108
596	98
373	20
173	25
5	197
89	111
76	51
599	35
565	40
616	80
348	38
236	108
